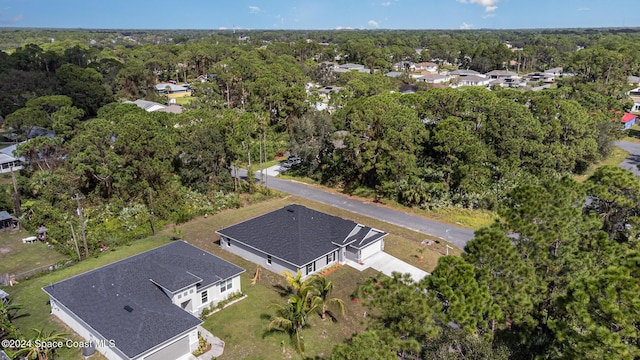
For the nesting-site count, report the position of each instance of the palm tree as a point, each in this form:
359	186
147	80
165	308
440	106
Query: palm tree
7	314
295	282
320	289
35	351
293	316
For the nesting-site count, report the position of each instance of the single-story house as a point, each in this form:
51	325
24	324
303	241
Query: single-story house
298	238
8	163
434	78
473	80
501	74
556	71
350	67
145	306
169	88
628	120
427	66
464	72
146	105
405	66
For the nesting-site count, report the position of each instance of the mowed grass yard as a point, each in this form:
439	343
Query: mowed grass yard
17	257
614	159
243	325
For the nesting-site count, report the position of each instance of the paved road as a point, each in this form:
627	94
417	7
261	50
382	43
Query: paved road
631	162
455	235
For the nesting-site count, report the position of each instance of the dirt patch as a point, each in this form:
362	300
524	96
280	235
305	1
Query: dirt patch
4	250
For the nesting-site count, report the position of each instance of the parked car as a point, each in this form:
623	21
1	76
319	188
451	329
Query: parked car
292	161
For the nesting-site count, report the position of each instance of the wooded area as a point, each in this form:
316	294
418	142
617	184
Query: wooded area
557	277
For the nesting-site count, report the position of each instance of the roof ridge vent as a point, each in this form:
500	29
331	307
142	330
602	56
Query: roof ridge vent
128	308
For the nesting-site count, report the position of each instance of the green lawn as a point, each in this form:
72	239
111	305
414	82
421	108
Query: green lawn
614	159
5	179
633	134
242	325
183	100
17	257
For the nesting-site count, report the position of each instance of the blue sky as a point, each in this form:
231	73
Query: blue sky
318	14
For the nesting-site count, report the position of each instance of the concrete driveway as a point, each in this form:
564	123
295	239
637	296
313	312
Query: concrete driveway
387	264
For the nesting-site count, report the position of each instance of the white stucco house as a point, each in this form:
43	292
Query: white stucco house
298	238
145	306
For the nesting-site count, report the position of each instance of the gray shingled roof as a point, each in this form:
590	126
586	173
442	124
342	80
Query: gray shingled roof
296	234
5	216
99	297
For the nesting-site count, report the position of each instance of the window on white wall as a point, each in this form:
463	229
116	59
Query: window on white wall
205	296
226	285
228	242
269	259
311	268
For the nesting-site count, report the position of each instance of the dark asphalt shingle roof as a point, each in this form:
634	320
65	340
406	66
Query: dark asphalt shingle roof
99	297
295	234
5	216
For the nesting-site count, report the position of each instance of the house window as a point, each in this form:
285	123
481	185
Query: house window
331	257
179	296
226	285
228	242
311	267
269	259
191	291
205	296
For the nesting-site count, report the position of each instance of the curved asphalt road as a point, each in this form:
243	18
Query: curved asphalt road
631	162
455	235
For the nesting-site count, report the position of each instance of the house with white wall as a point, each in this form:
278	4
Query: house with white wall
145	306
296	238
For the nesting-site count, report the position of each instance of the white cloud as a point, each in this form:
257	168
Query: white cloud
222	28
386	3
490	15
344	28
373	23
489	5
466	26
254	9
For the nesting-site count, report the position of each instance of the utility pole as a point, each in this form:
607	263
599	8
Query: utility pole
266	175
153	227
77	198
260	146
16	196
75	240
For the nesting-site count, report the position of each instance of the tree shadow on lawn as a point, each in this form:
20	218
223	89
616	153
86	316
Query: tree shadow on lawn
633	133
283	291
